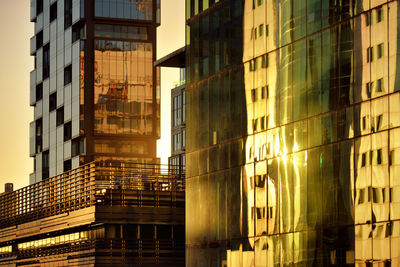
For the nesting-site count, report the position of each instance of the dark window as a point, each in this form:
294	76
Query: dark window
60	116
379	15
67	165
68	75
39	40
53	11
253	95
46	61
147	231
363	159
78	32
39	7
39	91
67	13
370	54
67	131
53	101
164	232
38	135
380	50
379	85
45	164
76	147
368	19
369	89
379	156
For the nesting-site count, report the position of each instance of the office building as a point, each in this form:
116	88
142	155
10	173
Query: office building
176	59
292	127
93	87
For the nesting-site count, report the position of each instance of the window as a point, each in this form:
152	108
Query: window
46	61
264	61
379	15
263	92
53	11
255	33
370	54
261	29
67	13
45	164
53	101
255	122
67	165
259	2
363	159
266	30
254	95
39	7
78	32
364	122
379	156
183	106
263	123
252	65
39	91
379	119
67	131
380	50
38	132
379	85
39	40
267	91
368	18
60	116
68	75
368	89
76	147
183	138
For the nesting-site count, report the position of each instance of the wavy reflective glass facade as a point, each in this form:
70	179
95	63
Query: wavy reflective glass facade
292	128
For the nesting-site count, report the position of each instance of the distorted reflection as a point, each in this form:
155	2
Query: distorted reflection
296	117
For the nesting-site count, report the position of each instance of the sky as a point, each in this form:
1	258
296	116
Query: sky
16	64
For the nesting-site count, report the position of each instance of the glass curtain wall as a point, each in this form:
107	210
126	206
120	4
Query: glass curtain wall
292	118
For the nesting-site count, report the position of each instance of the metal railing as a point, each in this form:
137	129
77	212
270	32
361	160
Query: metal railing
89	185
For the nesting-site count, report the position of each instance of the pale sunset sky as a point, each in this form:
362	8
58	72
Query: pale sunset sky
16	64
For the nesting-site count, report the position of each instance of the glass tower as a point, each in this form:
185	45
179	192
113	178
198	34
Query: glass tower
94	89
292	117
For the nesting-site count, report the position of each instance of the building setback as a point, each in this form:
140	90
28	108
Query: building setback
94	87
292	127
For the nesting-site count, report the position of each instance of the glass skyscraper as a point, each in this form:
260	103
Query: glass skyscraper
292	116
94	88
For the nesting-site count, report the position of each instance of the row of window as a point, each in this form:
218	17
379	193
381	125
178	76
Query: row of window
370	52
374	195
178	109
379	16
260	33
179	141
255	63
53	97
53	241
378	153
264	93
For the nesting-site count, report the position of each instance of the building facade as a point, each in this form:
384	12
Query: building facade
177	59
292	125
94	87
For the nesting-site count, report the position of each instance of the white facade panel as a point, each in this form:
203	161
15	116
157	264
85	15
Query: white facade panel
75	125
38	109
53	162
32	178
46	12
39	65
67	103
32	136
39	23
67	46
32	98
33	10
75	162
76	4
46	89
33	45
46	34
46	132
38	167
67	150
53	31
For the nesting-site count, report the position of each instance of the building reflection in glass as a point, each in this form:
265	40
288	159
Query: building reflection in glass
292	119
